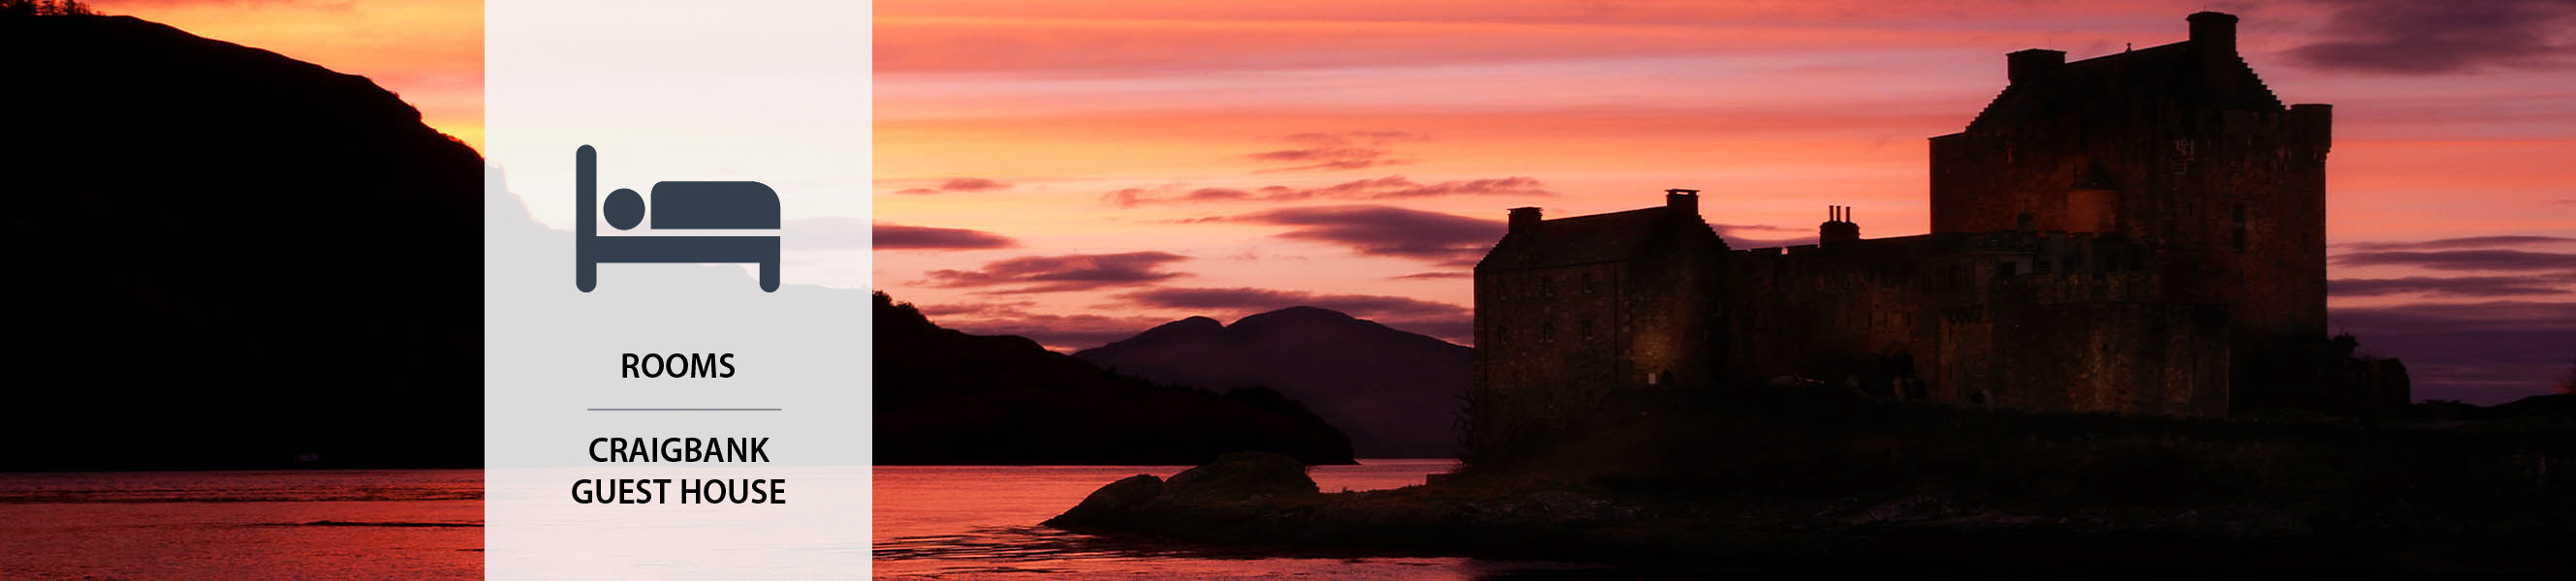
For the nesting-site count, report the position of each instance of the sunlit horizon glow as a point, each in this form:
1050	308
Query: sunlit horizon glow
429	52
1774	110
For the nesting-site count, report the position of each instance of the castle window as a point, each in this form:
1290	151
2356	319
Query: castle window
1586	328
2041	266
1547	333
2009	268
1587	283
1547	287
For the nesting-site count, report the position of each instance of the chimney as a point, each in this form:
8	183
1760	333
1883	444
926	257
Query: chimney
1838	227
2213	32
1681	201
1523	220
2030	64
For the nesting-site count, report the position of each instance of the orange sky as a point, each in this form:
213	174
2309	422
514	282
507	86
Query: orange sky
1079	171
428	51
1025	121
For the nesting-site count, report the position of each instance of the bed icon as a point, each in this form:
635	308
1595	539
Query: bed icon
676	206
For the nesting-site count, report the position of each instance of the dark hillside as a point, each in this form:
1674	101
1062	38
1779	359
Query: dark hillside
1396	393
228	258
946	397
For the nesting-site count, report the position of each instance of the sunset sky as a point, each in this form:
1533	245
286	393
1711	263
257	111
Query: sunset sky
1077	172
428	51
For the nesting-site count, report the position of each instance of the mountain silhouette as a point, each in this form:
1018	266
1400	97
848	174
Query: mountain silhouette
1396	393
231	259
946	397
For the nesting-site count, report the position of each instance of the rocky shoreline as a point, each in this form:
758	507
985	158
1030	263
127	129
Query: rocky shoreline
1253	499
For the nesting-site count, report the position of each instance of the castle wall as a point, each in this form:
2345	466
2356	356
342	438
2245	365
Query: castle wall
2024	320
2088	342
1820	312
1553	341
2232	202
1547	341
1672	293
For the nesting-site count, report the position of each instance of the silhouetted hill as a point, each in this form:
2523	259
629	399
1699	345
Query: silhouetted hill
2556	408
230	258
2556	405
1396	393
946	397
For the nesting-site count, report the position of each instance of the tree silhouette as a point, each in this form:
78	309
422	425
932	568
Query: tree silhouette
44	8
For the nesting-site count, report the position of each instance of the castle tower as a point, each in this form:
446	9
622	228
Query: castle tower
2179	149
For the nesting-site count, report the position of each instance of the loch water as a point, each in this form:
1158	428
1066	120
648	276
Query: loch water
304	524
979	522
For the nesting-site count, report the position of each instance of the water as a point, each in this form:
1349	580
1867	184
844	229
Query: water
365	524
929	523
972	522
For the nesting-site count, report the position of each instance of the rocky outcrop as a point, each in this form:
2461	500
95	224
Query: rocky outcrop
1110	506
1242	475
1211	493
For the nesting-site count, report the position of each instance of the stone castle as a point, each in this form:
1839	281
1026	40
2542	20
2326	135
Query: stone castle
2111	234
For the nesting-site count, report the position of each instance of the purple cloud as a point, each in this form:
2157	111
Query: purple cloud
2482	353
1336	151
958	185
2427	37
2506	260
2467	286
2458	243
1071	272
1384	188
1388	231
899	237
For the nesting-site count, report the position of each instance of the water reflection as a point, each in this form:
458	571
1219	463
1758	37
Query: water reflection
976	522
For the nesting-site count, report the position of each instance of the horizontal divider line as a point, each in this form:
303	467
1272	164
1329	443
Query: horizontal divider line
686	409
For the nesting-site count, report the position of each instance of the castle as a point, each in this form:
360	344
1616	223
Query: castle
2112	234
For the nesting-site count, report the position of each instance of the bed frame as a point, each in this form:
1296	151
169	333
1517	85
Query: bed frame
676	206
